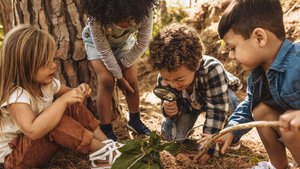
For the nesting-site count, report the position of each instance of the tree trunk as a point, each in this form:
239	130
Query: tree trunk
64	20
6	14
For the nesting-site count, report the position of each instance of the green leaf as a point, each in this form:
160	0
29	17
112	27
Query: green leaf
133	147
172	147
125	160
152	157
140	165
146	165
155	166
154	139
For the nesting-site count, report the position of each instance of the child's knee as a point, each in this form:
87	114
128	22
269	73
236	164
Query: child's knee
106	83
133	81
264	112
257	115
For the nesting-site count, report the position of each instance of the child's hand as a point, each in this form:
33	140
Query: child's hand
170	108
204	137
226	140
203	160
125	86
85	89
290	121
73	96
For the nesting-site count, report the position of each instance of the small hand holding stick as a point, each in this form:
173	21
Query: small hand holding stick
215	136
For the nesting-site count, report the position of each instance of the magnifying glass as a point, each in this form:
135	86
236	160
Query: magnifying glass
165	93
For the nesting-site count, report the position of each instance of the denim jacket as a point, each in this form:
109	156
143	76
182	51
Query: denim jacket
284	83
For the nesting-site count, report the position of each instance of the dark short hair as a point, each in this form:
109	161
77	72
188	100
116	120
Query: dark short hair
243	16
113	11
175	45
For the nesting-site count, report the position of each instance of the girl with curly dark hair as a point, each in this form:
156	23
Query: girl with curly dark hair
117	34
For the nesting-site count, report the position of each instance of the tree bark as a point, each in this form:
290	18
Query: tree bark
6	14
64	20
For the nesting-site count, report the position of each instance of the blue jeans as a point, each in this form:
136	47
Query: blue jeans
172	129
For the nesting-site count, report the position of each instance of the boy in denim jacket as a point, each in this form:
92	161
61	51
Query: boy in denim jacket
200	81
254	33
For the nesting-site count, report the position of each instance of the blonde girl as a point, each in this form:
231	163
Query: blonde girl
33	123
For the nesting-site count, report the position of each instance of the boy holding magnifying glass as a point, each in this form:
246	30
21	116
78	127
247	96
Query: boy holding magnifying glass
201	82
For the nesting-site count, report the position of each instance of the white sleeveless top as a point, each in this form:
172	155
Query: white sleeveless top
10	129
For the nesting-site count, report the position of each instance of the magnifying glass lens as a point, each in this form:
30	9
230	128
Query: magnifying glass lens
165	93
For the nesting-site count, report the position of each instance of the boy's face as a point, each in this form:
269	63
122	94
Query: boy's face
245	51
180	79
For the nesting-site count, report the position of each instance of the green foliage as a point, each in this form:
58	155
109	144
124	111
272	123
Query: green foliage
144	154
168	16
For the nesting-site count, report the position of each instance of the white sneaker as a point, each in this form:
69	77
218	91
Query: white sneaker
264	165
268	165
108	153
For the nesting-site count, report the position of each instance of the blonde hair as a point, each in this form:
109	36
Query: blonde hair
24	50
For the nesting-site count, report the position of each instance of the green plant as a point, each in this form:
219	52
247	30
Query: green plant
144	154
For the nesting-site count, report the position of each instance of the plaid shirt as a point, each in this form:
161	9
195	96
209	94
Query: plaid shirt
210	94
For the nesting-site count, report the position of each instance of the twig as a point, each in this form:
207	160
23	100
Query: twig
215	136
184	138
292	8
135	161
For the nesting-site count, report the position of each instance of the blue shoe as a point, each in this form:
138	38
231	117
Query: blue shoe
109	133
138	127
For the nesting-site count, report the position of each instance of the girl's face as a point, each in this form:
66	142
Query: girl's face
180	79
45	74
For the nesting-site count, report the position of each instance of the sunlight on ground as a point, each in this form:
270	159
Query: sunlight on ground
150	98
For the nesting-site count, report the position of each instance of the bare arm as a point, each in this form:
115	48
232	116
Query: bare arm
104	49
143	39
63	89
36	127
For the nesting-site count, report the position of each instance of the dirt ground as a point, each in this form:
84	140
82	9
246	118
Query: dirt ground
250	153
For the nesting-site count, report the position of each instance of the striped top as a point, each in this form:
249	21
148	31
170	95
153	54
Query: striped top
119	44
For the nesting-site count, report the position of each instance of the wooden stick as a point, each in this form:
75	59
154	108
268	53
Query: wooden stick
215	136
292	8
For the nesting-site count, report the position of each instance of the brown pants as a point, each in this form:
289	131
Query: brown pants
75	131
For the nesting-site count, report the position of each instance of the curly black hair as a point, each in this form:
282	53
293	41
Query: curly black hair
113	11
175	45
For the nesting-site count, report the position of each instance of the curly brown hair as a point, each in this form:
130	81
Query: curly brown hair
176	45
113	11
